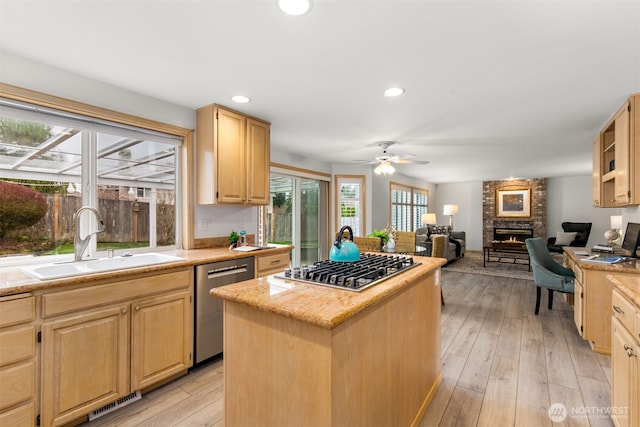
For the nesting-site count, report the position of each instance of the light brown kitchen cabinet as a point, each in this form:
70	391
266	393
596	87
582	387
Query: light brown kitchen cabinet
161	338
625	367
233	156
616	158
84	363
17	360
104	341
591	303
272	264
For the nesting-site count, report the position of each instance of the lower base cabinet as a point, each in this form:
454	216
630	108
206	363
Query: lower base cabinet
103	342
625	366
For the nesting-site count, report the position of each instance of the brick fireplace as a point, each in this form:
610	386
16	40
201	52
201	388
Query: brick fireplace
534	225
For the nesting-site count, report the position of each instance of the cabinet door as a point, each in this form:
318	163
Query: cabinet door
230	157
258	160
161	338
623	361
84	363
597	172
578	305
623	157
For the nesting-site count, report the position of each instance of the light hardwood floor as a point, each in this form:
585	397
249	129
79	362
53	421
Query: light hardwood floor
502	365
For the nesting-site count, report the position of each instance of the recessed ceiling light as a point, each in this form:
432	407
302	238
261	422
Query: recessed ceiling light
240	99
394	91
294	7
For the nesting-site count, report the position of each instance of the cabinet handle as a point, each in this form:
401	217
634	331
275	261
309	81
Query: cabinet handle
630	351
124	311
618	309
137	308
275	262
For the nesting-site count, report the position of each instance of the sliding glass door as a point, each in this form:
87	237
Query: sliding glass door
297	216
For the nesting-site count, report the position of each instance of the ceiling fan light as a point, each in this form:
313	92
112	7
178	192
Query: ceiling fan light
384	168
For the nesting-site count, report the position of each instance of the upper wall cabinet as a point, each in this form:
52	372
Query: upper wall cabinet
232	157
616	158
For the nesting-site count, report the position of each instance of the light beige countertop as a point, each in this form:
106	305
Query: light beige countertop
632	266
14	280
628	286
322	306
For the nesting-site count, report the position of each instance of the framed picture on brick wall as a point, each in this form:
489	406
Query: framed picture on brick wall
513	203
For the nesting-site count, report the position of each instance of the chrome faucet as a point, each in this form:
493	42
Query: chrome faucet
80	244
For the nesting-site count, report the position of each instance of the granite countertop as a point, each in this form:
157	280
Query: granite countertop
322	306
14	280
629	286
631	266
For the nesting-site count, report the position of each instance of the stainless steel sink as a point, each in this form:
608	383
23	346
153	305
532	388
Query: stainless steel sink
69	269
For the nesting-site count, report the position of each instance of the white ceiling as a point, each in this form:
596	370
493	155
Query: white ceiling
494	89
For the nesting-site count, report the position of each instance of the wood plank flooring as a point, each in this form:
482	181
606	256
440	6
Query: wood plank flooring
502	366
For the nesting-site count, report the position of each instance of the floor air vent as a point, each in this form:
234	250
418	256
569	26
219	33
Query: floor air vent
110	407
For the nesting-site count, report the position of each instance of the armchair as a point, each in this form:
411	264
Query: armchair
547	273
582	230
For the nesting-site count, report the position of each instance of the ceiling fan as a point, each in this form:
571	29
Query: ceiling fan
386	159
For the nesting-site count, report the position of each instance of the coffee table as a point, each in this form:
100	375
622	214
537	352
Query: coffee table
506	252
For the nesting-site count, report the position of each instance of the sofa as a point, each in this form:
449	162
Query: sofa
455	239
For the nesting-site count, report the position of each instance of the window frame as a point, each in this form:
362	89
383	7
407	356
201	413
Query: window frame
184	181
352	179
415	210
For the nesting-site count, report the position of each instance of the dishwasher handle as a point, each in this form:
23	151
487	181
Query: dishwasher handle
226	271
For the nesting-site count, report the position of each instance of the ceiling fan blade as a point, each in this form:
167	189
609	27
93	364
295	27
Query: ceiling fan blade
413	162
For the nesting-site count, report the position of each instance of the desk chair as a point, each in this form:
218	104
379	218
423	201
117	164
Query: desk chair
547	273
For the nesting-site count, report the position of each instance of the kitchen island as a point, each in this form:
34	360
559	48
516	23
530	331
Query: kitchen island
303	354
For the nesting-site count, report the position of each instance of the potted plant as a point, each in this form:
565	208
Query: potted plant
233	239
382	235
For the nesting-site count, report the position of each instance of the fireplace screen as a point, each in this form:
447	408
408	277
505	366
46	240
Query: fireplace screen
515	235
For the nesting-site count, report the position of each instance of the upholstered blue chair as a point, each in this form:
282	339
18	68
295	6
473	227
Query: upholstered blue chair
547	273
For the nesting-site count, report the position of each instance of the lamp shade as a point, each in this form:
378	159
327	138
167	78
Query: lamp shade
429	219
450	210
616	222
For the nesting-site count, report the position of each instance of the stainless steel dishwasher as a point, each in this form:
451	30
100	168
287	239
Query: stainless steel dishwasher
208	309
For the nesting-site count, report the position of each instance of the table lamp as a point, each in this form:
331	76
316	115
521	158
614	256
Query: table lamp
428	219
450	210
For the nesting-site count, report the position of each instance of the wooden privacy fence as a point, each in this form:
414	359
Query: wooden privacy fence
124	221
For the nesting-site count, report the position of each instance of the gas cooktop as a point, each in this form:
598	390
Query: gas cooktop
356	276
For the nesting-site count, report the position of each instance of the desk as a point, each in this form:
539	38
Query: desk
592	296
510	252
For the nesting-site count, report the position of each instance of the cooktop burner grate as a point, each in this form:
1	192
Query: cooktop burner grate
356	276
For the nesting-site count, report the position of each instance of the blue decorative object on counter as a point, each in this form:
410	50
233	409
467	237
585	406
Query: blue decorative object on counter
344	250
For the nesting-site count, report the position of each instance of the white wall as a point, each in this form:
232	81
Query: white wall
468	197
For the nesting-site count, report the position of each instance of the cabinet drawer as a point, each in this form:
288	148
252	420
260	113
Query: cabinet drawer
18	384
271	263
17	344
21	416
92	296
623	310
17	310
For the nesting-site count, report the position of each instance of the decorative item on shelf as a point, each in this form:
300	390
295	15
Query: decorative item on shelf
612	235
243	238
450	210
